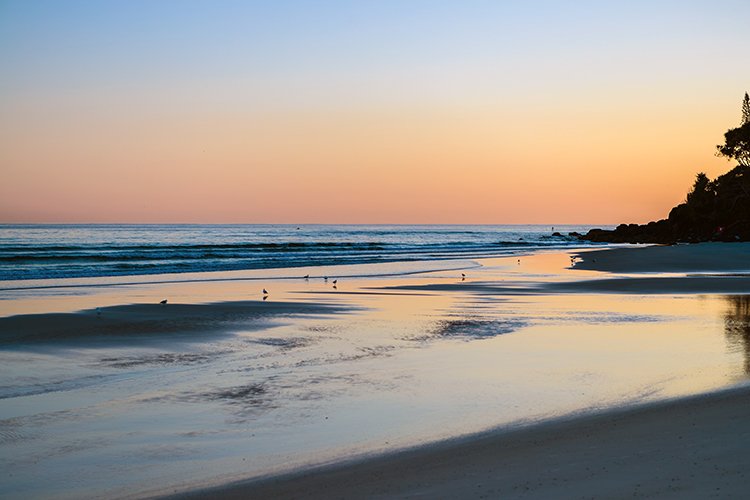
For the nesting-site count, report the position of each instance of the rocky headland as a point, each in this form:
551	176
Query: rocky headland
714	210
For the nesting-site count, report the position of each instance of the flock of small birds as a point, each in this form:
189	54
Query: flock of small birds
305	277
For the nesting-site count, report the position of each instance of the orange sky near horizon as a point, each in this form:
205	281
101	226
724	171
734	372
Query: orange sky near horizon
451	143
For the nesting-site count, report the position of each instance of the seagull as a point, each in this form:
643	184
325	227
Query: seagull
307	277
265	292
163	302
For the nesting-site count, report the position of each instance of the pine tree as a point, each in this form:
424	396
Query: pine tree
745	110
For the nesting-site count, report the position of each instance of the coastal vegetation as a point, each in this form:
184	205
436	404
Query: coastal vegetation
713	210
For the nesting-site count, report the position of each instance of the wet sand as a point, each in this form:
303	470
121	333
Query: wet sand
524	341
705	268
658	285
689	448
694	447
140	322
627	285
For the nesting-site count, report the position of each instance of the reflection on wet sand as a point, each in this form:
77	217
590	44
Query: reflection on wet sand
128	324
251	387
737	325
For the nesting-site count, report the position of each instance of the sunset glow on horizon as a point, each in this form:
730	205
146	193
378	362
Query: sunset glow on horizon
363	112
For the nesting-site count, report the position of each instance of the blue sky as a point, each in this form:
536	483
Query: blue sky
88	86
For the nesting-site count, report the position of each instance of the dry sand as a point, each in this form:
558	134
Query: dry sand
729	261
702	257
689	448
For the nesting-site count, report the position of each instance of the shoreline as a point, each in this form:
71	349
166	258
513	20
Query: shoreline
350	271
690	446
674	447
685	285
236	372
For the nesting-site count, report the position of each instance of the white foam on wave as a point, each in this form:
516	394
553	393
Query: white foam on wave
314	272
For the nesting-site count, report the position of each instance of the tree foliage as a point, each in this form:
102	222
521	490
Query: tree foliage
717	210
702	190
737	144
737	140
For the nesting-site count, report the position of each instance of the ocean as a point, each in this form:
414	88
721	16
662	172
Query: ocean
118	381
32	252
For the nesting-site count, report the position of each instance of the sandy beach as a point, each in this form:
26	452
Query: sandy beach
385	249
133	322
690	448
684	258
525	378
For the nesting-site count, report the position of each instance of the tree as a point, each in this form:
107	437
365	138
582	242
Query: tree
702	189
737	140
737	144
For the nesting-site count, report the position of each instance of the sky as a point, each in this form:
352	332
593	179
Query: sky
364	111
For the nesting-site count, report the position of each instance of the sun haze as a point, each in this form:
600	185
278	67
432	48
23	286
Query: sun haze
363	112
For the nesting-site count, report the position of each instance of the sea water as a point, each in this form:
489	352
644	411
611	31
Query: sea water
72	251
366	366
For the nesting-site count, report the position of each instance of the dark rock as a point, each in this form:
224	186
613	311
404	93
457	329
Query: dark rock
713	211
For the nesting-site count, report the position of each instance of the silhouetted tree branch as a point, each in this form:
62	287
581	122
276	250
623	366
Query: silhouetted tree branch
737	140
737	144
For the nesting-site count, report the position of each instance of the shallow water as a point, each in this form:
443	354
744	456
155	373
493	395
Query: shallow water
385	369
31	252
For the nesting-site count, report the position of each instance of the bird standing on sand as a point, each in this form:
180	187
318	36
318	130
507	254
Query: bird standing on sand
163	302
265	292
307	277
